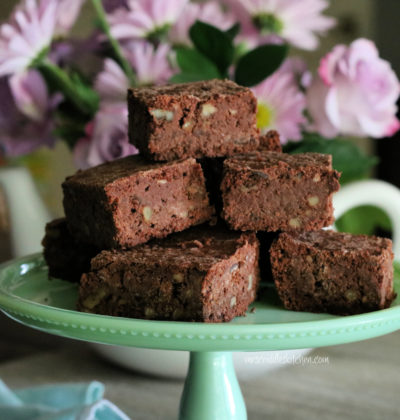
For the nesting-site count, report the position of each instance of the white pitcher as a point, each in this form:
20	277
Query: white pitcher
29	216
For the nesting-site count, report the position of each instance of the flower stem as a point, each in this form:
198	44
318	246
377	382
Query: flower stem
101	14
82	97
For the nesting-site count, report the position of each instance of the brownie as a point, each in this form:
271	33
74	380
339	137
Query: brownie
201	119
273	191
270	141
129	201
66	258
201	274
213	167
338	273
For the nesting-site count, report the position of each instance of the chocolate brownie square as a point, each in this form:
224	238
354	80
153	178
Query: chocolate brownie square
338	273
66	258
129	201
273	191
213	167
201	274
201	119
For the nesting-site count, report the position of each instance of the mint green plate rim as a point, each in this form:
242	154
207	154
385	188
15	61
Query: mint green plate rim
250	334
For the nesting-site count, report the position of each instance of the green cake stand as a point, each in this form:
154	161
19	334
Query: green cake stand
211	390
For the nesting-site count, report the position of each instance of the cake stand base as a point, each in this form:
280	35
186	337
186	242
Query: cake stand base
211	390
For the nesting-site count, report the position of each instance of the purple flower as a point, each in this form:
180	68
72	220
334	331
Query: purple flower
67	13
355	93
78	53
210	12
297	22
112	5
281	104
30	94
112	83
149	19
28	33
25	114
150	63
107	138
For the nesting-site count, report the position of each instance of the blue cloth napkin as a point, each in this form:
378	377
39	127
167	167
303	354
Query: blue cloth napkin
58	402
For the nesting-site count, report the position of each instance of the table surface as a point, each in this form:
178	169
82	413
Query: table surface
359	382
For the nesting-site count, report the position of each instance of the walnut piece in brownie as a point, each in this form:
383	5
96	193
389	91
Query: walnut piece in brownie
66	258
201	119
273	191
129	201
198	275
338	273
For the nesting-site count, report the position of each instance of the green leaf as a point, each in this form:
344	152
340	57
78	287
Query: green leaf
116	47
364	220
69	134
233	31
70	125
186	78
193	62
74	89
347	157
214	44
255	66
396	266
195	66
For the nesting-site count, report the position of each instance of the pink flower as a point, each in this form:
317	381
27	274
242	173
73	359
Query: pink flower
112	5
298	67
28	33
26	120
151	64
112	83
210	12
355	93
145	18
30	94
107	138
67	13
297	22
280	105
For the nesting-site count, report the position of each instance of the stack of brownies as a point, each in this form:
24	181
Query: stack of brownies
174	233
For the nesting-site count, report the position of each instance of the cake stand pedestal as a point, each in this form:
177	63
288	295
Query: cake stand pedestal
211	390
